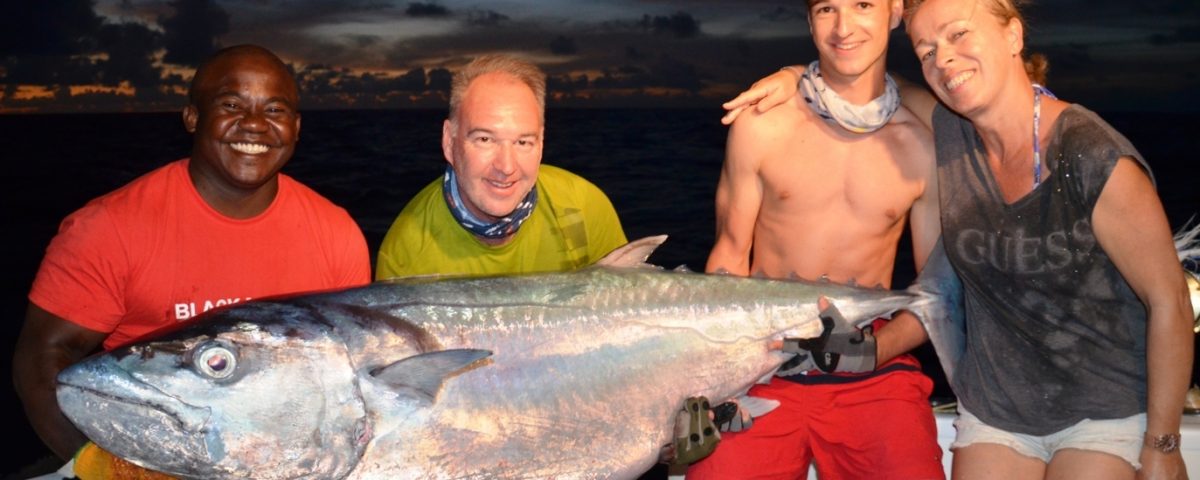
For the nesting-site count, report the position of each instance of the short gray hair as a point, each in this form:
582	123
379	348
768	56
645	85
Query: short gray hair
526	72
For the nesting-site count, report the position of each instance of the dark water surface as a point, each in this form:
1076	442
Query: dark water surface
659	167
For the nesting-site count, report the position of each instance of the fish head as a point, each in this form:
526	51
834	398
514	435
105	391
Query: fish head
256	391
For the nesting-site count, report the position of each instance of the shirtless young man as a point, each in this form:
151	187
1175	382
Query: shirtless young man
815	193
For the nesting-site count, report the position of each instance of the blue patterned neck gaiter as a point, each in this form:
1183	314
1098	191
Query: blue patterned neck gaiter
493	230
854	118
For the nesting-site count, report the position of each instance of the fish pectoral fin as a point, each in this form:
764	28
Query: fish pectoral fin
425	373
633	254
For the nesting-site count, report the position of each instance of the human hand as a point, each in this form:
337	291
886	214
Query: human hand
842	347
1157	465
765	94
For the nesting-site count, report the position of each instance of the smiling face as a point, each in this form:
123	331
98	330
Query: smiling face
851	35
244	119
494	144
968	55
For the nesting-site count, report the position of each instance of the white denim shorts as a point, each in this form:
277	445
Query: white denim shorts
1121	437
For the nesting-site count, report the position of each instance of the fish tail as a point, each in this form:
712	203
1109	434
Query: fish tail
1187	245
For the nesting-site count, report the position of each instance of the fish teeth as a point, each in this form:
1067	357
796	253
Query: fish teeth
250	148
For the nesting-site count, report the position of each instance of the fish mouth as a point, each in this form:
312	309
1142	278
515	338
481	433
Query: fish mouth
102	379
124	414
189	419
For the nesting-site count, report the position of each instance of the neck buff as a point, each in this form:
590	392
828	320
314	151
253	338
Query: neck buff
855	118
500	228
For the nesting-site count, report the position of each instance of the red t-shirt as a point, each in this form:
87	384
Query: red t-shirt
153	253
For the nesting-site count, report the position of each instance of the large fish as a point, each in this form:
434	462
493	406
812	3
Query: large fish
563	375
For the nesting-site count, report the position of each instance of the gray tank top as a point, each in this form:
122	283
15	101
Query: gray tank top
1054	333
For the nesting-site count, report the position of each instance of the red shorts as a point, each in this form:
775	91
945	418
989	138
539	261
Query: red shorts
877	427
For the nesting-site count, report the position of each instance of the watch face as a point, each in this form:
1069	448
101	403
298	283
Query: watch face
1166	443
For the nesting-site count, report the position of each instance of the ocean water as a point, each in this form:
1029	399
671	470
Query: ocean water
659	168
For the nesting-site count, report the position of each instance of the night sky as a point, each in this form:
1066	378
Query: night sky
131	55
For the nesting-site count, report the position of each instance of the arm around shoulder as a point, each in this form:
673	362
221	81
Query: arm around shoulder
48	344
765	94
917	99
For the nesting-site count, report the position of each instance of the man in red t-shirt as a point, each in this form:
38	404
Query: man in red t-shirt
220	228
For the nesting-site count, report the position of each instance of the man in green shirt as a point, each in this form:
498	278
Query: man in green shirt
497	209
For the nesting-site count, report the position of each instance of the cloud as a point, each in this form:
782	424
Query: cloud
49	70
785	14
66	43
567	84
414	80
131	48
417	9
190	34
680	24
563	46
439	80
384	54
485	18
48	28
1185	34
667	72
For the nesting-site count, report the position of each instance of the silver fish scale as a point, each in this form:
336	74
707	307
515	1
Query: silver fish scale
586	372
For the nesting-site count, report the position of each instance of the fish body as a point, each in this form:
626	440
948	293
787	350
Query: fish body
561	375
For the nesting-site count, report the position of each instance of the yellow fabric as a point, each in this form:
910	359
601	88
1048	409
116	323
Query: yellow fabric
573	225
95	463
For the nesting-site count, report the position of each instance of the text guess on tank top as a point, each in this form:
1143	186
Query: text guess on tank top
184	311
1014	252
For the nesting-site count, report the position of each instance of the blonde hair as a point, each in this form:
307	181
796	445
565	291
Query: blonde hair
526	72
1036	65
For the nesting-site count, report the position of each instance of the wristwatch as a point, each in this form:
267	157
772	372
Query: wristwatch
1165	443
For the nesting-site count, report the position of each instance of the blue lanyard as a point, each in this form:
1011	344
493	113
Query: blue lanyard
1038	91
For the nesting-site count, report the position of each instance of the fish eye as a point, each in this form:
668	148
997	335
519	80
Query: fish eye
215	360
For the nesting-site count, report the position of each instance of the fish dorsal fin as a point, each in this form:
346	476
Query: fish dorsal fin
633	254
425	373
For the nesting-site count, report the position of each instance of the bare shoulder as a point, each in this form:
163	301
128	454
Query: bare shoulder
909	127
918	100
771	124
757	134
910	137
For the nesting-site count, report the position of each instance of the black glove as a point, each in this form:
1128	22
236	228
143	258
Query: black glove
842	347
731	417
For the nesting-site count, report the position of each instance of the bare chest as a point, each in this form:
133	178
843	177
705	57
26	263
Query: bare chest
871	176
